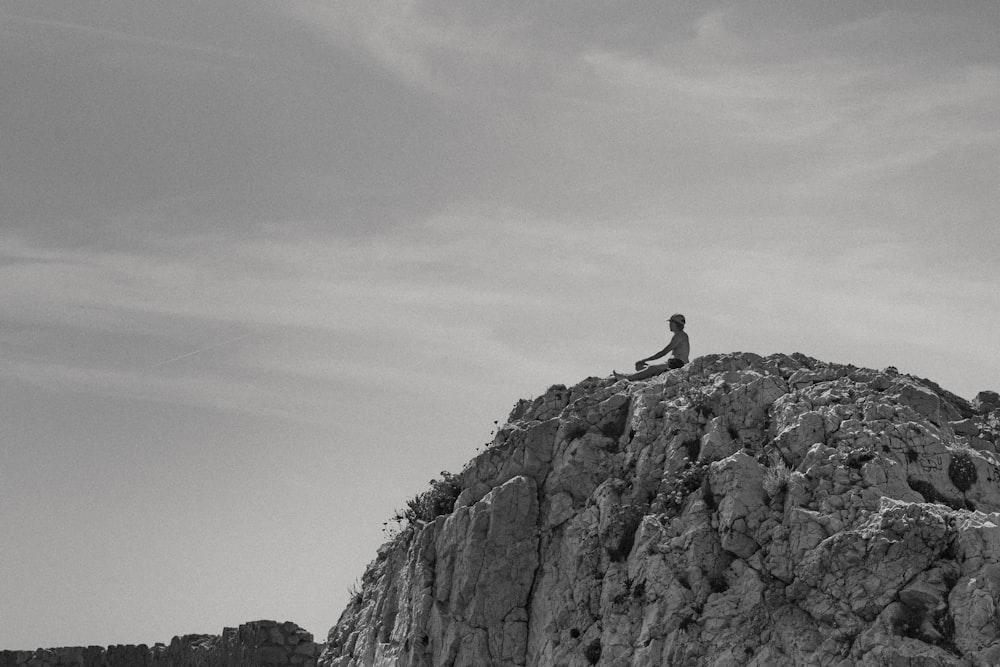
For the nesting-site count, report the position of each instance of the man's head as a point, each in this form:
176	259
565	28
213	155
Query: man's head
677	319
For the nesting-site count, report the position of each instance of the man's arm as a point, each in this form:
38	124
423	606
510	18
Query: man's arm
674	342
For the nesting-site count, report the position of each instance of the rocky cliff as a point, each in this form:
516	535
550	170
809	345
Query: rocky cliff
739	511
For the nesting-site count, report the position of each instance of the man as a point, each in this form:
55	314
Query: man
679	346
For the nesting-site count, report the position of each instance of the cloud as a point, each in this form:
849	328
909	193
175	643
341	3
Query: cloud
636	167
118	139
376	117
15	26
441	304
435	48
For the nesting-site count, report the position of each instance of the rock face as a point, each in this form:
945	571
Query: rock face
255	644
739	511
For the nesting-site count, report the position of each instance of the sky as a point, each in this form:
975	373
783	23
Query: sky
267	268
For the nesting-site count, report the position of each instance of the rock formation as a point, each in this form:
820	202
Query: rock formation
255	644
739	511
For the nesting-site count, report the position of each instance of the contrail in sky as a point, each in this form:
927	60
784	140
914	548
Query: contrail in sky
199	351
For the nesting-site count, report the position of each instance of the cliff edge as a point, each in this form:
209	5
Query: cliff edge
741	510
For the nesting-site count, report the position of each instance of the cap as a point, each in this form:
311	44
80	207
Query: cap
677	317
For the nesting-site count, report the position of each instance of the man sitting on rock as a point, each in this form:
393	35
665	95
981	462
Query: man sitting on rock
679	345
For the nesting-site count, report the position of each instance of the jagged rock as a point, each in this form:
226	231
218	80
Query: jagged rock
741	510
986	401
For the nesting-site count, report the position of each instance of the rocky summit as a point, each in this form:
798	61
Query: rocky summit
741	510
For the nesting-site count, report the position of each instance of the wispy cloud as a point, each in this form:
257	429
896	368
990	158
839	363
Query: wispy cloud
16	24
424	46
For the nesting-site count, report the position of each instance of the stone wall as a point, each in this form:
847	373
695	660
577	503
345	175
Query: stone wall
255	644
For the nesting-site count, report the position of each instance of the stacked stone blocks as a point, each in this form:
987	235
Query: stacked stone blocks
255	644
